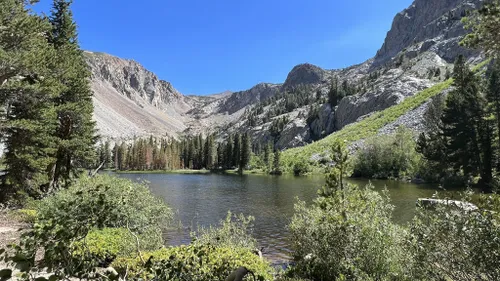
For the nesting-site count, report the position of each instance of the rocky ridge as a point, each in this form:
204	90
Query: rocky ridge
418	52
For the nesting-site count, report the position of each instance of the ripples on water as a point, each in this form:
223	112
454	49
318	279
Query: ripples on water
203	200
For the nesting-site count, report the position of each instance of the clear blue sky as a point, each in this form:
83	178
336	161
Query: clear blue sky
206	47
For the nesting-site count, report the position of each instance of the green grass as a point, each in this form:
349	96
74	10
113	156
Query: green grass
368	127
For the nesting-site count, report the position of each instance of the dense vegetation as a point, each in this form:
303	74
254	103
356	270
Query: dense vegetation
46	117
391	156
348	234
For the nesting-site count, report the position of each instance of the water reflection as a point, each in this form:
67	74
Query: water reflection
205	199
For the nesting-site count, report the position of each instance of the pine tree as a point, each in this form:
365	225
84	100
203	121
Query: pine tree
76	130
493	97
277	163
484	24
461	119
108	158
246	150
268	155
228	155
236	151
27	87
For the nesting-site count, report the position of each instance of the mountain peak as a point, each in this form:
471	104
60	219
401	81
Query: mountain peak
427	25
305	73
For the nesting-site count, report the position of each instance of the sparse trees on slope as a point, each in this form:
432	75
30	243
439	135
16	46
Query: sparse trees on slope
484	24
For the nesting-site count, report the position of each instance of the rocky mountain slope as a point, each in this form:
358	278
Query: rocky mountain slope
418	53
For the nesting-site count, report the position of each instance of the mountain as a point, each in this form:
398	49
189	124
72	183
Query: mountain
418	53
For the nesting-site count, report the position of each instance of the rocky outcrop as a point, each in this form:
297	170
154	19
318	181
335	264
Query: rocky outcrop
242	99
133	80
393	88
306	74
324	124
427	25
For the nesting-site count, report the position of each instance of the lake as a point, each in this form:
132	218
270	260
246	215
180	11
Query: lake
203	200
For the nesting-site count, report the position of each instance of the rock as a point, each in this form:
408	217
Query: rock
325	123
427	21
242	99
429	203
304	74
394	87
296	133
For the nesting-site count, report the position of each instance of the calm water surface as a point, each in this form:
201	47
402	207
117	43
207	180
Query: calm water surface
203	200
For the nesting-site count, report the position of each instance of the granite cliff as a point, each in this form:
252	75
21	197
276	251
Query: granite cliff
418	52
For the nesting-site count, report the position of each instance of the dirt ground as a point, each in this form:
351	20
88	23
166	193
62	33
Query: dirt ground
9	229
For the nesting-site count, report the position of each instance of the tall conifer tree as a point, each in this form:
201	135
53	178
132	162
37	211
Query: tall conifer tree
462	119
27	87
246	150
76	130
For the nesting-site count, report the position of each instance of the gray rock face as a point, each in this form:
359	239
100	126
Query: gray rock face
394	87
306	74
433	24
296	133
133	80
131	101
242	99
325	124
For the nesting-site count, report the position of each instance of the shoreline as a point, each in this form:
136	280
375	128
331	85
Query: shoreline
191	172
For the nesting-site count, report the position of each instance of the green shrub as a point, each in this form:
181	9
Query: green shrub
455	244
192	263
301	167
67	217
26	215
126	204
347	235
108	243
392	156
233	232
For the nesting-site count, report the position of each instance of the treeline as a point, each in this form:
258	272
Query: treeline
46	117
194	153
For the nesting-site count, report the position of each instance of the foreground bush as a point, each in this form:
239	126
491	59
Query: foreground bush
233	232
192	263
348	235
104	245
106	201
65	219
456	244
